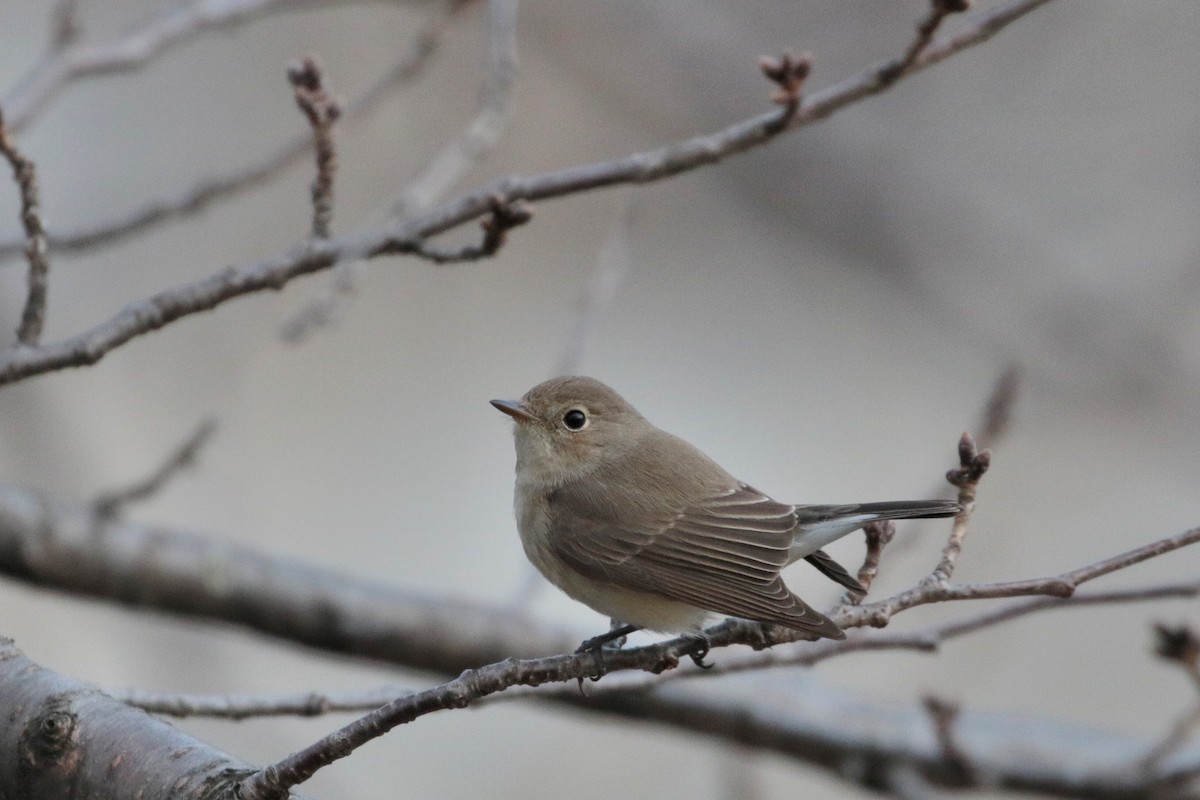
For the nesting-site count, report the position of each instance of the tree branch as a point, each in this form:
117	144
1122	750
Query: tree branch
321	110
25	175
409	237
927	640
109	504
58	735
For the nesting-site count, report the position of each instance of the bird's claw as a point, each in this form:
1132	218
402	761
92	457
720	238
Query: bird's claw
699	650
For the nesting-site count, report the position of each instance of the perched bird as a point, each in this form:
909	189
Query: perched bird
646	529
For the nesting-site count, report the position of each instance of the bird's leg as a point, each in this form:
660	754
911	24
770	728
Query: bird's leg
699	650
617	632
596	645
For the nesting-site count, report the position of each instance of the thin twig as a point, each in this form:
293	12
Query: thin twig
938	11
322	110
147	315
972	466
878	614
878	534
504	215
25	174
239	707
110	504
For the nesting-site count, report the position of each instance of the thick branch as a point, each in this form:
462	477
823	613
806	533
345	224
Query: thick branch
58	735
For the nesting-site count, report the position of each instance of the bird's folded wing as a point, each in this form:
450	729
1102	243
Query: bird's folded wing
722	554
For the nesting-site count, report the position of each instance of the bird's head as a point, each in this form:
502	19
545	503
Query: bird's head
567	427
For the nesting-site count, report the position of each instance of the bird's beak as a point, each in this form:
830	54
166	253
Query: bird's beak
515	409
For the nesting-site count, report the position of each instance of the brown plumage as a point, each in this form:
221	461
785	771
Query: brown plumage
645	528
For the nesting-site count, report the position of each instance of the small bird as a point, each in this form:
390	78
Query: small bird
646	529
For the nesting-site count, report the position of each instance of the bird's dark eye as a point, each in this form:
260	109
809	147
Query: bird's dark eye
575	419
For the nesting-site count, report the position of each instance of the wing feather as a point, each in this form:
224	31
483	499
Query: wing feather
723	554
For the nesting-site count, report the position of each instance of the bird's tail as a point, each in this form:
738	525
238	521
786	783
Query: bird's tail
817	526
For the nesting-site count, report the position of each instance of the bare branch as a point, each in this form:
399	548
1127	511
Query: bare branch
878	614
110	504
972	466
503	216
208	191
938	11
322	110
25	175
60	735
878	534
238	707
409	237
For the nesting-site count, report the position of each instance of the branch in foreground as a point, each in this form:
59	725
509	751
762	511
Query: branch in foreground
409	237
25	174
58	735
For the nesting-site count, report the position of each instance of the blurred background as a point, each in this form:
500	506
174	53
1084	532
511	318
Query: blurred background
824	316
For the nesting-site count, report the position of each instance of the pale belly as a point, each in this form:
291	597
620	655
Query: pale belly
649	611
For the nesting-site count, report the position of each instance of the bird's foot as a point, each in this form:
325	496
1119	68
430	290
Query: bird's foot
614	639
699	650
